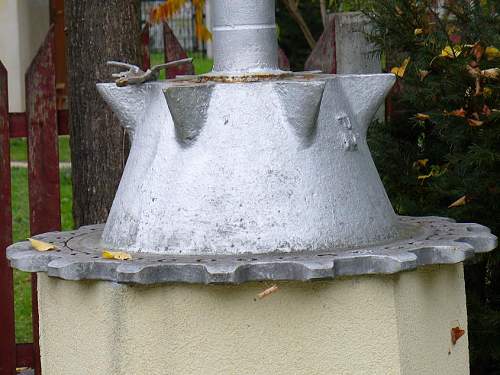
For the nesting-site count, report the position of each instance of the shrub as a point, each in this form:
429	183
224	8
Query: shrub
439	153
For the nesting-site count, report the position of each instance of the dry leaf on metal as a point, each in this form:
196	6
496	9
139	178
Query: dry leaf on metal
117	255
40	245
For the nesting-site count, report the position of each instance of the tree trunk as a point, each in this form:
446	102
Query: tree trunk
97	31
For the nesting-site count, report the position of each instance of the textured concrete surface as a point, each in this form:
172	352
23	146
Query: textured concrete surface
398	324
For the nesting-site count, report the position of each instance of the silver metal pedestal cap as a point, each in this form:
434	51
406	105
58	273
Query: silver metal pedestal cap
245	39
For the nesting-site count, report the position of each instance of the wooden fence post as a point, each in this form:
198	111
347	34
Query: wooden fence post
7	331
343	47
43	158
174	51
146	58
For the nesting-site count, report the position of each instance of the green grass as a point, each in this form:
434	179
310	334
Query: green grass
19	149
201	63
20	222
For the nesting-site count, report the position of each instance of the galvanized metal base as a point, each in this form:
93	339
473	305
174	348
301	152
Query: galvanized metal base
429	240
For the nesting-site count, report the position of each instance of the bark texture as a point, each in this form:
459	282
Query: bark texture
97	31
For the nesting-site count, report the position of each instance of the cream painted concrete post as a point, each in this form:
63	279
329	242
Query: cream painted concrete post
397	324
23	27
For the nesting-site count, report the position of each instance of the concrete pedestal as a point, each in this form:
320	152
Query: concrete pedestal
394	324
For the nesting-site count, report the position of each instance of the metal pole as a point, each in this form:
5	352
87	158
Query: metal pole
245	38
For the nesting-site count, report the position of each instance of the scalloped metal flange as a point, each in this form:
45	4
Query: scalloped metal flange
435	240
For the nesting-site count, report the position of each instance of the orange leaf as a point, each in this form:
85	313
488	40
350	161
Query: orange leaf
457	113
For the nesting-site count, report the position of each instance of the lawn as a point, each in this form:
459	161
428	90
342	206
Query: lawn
20	222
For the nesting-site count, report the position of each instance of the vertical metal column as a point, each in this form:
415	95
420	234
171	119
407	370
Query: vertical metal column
245	39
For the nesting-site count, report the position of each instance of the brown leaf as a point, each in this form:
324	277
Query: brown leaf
462	201
477	51
474	123
473	71
486	110
268	291
422	74
456	333
40	245
492	73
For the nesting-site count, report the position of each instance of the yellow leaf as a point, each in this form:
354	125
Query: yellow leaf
40	245
487	92
425	176
459	202
422	162
418	31
118	255
422	116
400	70
451	52
492	53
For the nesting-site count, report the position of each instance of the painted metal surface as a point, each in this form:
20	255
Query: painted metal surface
7	331
278	165
427	240
245	38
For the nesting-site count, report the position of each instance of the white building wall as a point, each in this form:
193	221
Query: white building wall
23	27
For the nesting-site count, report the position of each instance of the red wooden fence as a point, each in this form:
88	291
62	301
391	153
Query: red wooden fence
41	124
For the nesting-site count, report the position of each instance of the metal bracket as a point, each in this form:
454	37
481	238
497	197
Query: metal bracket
134	75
